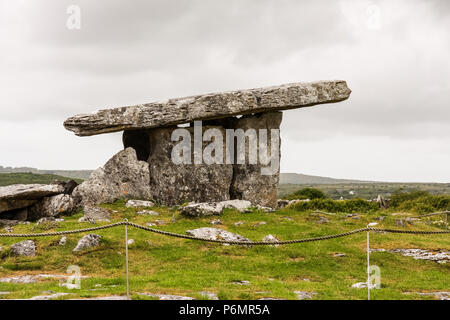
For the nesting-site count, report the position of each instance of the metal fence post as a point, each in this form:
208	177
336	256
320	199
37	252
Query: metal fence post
126	258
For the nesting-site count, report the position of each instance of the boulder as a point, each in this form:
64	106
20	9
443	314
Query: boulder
215	234
61	204
208	106
239	205
24	195
123	176
88	241
94	214
24	248
203	209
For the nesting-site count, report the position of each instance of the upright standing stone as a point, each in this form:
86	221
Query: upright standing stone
248	182
174	184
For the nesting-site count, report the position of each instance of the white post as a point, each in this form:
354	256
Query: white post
126	259
368	266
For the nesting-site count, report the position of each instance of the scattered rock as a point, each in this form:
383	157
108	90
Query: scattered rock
24	248
165	296
9	229
281	203
288	218
123	176
323	220
209	295
216	234
4	293
148	212
34	278
441	295
130	242
50	296
360	285
242	282
261	223
422	254
8	223
105	298
139	203
86	219
339	254
216	221
62	241
46	220
96	214
215	208
271	238
19	279
202	209
400	223
304	295
239	223
88	241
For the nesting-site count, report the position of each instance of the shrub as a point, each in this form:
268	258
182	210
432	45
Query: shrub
329	205
306	193
420	202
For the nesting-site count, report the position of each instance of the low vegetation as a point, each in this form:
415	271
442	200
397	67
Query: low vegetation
366	191
414	201
7	179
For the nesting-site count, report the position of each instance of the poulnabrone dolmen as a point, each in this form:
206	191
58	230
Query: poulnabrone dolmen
204	148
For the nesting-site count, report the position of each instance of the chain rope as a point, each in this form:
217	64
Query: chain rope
223	241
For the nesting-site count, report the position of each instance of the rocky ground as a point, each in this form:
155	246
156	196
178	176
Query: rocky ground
412	267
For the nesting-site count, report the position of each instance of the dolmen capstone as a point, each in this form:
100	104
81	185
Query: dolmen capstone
204	148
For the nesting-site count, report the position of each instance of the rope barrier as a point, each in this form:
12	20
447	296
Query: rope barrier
223	241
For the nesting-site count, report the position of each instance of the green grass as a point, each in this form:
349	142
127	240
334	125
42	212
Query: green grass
365	190
160	264
7	179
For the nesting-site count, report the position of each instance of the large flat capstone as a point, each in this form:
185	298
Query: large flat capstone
23	195
208	106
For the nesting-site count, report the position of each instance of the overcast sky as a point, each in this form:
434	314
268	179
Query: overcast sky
393	54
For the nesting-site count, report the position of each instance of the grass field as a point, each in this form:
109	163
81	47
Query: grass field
366	190
7	179
159	264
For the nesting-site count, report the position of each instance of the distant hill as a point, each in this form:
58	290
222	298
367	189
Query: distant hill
298	178
74	174
7	179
